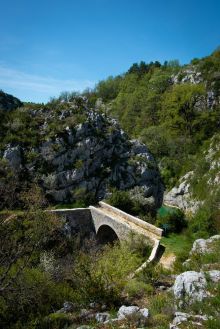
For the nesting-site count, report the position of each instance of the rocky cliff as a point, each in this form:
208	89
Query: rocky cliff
8	102
74	152
201	183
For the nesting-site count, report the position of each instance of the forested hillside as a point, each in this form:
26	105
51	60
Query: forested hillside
171	108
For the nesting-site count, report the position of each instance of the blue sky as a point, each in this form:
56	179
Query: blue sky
49	46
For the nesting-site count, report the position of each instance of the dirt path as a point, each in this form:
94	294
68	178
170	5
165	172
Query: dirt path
167	260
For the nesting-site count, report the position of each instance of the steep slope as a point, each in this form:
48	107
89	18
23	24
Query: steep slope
77	153
172	108
202	182
8	102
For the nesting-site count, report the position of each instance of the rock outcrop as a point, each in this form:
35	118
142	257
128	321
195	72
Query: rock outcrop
180	196
195	321
81	151
192	286
203	246
204	177
14	157
189	75
192	75
8	102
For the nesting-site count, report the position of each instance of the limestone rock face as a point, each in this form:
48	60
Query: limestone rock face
180	195
14	157
140	315
126	311
87	156
203	246
191	286
185	194
102	317
193	76
8	102
189	75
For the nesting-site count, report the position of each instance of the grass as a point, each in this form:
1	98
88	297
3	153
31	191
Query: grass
8	213
176	243
73	205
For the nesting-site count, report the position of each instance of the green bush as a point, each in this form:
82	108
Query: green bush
33	296
56	321
172	222
161	304
150	274
139	245
161	321
124	201
101	277
202	224
137	289
121	200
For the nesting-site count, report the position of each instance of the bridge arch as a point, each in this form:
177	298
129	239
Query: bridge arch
106	234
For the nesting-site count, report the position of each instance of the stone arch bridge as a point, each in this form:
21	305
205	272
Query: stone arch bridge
109	224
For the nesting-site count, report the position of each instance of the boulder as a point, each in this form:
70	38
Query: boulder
144	312
190	286
214	276
133	313
68	307
192	320
125	311
203	246
180	317
14	157
180	196
102	317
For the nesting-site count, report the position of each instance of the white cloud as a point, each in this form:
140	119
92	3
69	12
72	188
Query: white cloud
38	86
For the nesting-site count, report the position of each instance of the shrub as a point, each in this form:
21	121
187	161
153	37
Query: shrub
172	221
161	320
139	245
150	274
56	321
137	289
161	304
34	294
101	277
121	200
202	224
124	201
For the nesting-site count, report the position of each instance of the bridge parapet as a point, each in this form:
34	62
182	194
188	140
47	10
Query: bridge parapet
144	225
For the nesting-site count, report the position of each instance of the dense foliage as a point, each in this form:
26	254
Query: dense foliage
174	109
41	267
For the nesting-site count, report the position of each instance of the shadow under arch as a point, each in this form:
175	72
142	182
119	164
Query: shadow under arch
106	235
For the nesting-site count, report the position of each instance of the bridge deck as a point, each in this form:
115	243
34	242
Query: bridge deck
135	224
134	227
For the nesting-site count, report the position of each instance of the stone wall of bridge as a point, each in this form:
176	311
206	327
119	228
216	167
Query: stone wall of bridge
76	221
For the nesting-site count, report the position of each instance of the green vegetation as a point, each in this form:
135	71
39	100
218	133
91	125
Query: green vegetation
174	120
123	200
172	220
175	110
40	268
102	277
177	243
